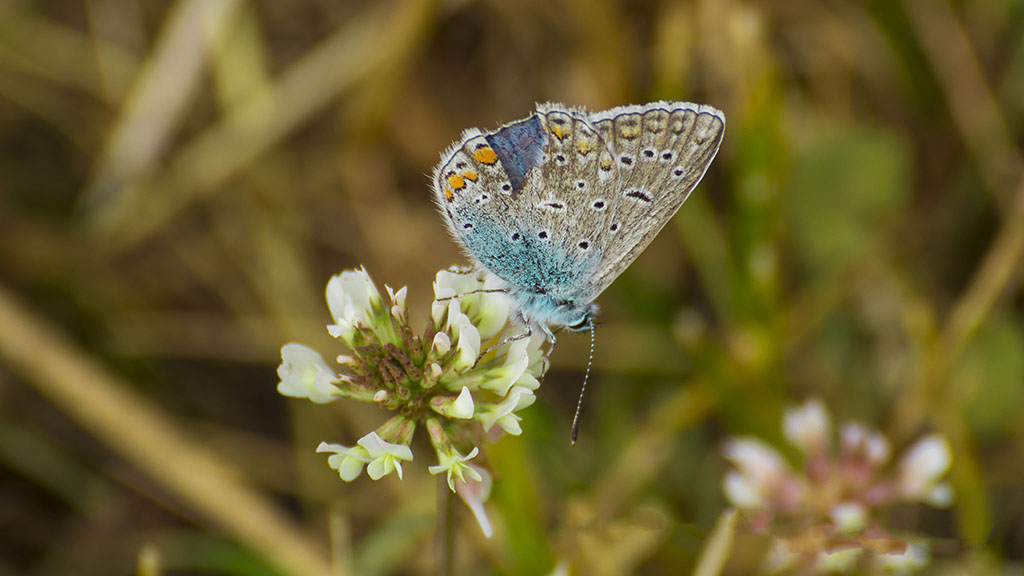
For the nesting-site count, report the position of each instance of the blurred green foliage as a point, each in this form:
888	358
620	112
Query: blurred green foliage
179	179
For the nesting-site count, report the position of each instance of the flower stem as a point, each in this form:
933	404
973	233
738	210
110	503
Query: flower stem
446	525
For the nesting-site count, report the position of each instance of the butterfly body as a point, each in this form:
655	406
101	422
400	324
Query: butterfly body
557	205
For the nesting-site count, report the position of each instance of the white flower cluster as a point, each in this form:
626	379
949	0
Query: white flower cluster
833	495
465	378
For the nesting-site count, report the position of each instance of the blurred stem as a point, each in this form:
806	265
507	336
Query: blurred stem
932	396
105	405
446	524
972	104
718	546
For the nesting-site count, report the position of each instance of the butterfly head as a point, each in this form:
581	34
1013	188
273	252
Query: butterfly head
585	320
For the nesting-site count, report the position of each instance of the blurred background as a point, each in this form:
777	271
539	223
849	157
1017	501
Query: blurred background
179	179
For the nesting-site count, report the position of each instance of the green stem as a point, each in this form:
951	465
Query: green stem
446	524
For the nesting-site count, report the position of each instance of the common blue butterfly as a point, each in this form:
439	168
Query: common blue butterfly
557	205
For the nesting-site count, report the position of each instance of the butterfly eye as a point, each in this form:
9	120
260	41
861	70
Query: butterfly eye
582	324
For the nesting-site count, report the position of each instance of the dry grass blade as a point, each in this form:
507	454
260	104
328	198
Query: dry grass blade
261	121
102	403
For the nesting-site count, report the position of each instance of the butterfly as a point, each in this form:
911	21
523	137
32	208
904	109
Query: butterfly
557	205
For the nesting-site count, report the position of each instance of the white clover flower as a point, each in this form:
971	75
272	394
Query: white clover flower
840	561
397	298
442	343
474	493
758	461
455	464
808	427
503	413
385	457
923	466
742	492
821	514
461	407
468	345
855	438
466	374
304	374
347	461
849	517
351	297
501	379
916	556
779	558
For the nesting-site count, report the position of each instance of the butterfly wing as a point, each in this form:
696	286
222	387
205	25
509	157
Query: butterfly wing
662	150
531	202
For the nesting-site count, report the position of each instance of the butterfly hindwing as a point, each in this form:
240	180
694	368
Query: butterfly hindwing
507	196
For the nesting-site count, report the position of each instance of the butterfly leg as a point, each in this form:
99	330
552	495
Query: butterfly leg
509	340
462	270
472	292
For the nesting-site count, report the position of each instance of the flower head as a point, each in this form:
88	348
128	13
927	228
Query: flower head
825	507
470	370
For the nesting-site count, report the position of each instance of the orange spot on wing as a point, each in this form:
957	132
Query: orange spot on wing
448	193
584	147
456	181
486	155
470	175
558	132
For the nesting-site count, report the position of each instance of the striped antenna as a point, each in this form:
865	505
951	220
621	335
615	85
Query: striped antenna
586	377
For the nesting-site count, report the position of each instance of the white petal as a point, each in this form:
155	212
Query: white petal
379	468
923	464
510	424
940	495
849	517
350	469
304	374
325	447
474	494
807	427
350	296
916	556
838	561
463	406
515	366
442	343
741	492
469	342
762	463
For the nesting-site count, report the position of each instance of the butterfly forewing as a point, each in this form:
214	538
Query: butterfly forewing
662	151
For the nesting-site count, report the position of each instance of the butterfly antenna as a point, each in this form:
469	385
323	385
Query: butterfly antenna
586	377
